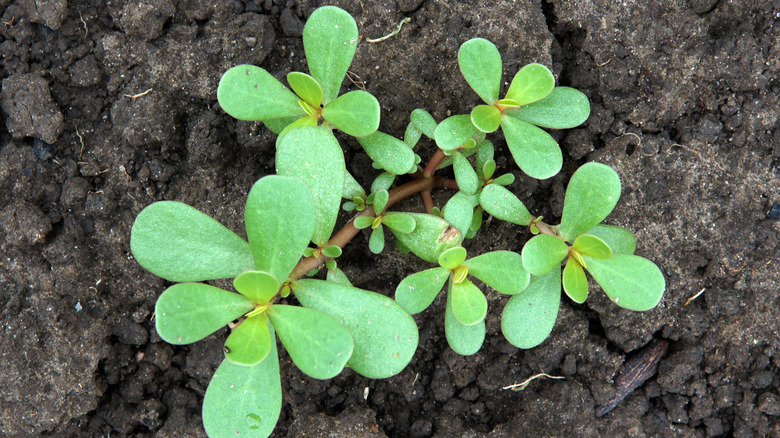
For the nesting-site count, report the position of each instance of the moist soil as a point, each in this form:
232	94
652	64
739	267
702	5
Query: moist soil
110	106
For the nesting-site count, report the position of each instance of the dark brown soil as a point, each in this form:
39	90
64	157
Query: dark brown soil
108	107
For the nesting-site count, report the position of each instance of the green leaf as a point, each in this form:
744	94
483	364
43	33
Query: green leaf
574	281
480	64
464	340
476	222
247	92
529	317
459	212
390	153
631	281
619	239
412	135
250	342
485	153
380	201
417	291
592	246
355	113
306	87
384	181
376	243
504	180
179	243
563	108
303	122
469	304
330	37
453	131
424	121
465	176
336	275
280	220
188	312
385	334
593	192
487	169
318	344
352	188
503	204
486	118
331	251
399	222
253	395
432	235
501	270
278	125
361	222
534	150
452	258
258	286
543	253
533	82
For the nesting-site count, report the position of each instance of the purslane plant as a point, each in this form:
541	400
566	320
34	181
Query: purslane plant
327	324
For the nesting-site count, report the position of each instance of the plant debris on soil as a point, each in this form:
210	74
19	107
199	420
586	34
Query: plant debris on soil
110	106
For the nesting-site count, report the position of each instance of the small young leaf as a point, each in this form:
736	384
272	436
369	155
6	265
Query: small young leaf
486	118
501	270
383	182
465	175
476	222
464	340
390	153
432	235
574	281
412	135
533	82
593	192
459	212
247	92
380	201
254	395
417	291
631	281
424	121
619	239
385	334
306	87
188	312
376	243
534	150
355	113
453	131
336	275
503	204
318	344
363	222
278	125
488	169
543	253
399	222
480	64
250	342
469	304
485	152
258	286
280	220
563	108
330	37
179	243
529	317
504	180
452	258
352	188
589	245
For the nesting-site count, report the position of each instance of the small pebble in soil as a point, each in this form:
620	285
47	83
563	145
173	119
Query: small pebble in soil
774	212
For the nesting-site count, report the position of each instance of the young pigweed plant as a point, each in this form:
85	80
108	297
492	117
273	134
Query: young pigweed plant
290	219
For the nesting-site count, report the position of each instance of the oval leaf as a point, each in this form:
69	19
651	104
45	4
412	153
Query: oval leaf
318	344
376	243
390	153
247	92
619	239
534	150
424	121
453	257
380	201
563	108
533	82
352	188
330	38
575	283
399	222
542	253
529	317
306	87
593	192
464	340
480	64
254	395
503	204
465	175
486	118
501	270
258	286
385	334
459	212
469	304
453	131
630	281
250	342
179	243
355	113
417	291
384	181
303	122
280	219
432	235
188	312
592	246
